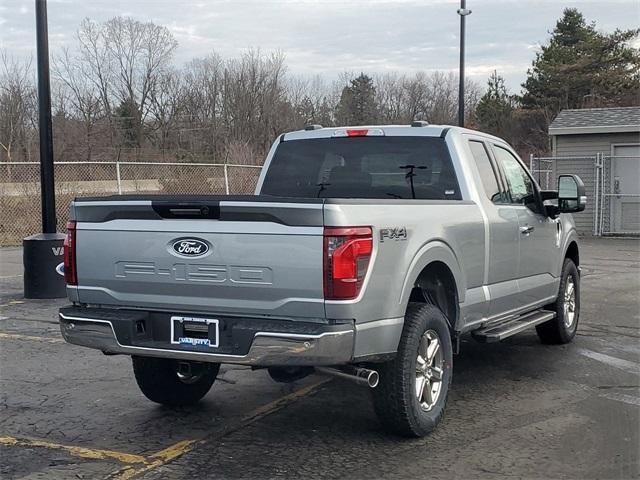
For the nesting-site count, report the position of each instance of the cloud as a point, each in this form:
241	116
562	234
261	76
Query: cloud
327	37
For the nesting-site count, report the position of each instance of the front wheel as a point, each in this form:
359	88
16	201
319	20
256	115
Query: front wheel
562	329
171	382
411	396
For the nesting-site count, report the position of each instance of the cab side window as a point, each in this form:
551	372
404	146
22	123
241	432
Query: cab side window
521	188
487	172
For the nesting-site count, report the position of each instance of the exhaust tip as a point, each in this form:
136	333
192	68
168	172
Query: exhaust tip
362	376
373	379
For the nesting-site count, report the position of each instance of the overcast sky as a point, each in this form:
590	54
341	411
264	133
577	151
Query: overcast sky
330	36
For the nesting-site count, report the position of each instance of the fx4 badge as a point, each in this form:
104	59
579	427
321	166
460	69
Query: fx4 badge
393	233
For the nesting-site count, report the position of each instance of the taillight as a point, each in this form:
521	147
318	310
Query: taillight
347	251
70	272
358	132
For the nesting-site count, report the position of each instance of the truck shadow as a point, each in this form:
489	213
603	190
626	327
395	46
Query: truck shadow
496	390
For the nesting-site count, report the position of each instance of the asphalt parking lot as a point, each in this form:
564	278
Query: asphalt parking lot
516	409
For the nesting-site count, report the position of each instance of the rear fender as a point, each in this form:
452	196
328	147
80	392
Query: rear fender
434	251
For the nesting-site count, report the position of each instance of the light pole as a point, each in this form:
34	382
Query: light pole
463	12
42	252
48	197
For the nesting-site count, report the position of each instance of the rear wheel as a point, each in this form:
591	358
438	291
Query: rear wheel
562	329
172	382
411	396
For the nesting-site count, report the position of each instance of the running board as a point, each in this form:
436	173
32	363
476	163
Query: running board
495	333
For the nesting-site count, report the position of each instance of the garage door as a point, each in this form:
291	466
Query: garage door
625	186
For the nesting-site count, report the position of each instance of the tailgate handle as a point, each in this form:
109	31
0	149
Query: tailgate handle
210	210
188	211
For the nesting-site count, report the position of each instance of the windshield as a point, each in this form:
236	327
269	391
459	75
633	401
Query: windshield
363	167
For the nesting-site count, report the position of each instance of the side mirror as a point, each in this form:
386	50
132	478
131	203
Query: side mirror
572	195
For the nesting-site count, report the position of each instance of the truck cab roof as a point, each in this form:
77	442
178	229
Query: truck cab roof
381	130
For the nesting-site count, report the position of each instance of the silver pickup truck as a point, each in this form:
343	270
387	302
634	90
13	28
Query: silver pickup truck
366	253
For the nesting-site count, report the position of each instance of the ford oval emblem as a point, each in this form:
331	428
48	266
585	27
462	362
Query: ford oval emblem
190	247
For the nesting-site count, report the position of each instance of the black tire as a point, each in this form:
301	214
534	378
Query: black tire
395	399
562	329
159	381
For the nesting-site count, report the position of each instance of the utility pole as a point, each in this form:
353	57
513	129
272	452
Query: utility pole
463	12
42	252
47	189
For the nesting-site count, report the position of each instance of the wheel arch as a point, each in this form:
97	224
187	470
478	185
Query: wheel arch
435	277
573	252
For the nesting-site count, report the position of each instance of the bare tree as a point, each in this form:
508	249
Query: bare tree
254	98
119	88
402	98
202	105
96	62
166	106
141	52
82	92
17	107
126	57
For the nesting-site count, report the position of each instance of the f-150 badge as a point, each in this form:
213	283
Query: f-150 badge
393	233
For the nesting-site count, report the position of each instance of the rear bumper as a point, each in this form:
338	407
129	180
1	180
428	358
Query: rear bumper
288	343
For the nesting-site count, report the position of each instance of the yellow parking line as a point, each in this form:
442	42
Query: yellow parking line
174	451
30	338
93	453
12	302
156	460
281	402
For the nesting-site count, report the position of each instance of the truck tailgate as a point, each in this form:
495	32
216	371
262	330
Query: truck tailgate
245	255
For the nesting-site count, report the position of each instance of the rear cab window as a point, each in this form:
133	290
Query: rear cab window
400	167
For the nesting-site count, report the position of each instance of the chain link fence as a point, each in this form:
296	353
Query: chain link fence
542	169
618	195
612	183
20	203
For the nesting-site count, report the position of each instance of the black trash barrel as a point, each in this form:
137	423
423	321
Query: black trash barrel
41	255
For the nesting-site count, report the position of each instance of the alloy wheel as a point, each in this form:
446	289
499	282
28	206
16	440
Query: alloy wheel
569	304
429	370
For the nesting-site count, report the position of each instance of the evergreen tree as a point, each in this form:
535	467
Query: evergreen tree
494	111
581	67
357	104
126	115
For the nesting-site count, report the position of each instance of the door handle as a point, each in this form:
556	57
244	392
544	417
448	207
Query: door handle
526	230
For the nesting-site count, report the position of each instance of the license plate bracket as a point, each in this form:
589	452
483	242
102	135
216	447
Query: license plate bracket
195	331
